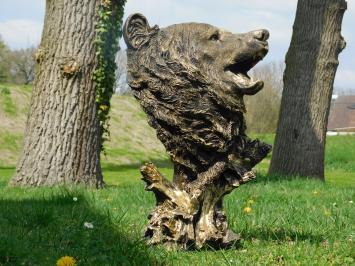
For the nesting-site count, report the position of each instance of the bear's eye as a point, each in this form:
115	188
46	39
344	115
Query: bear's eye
214	37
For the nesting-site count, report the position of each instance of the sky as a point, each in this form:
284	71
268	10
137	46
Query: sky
21	23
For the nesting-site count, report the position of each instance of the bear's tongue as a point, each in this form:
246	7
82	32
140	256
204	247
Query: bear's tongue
244	84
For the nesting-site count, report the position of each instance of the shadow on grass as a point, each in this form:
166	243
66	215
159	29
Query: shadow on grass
40	231
2	167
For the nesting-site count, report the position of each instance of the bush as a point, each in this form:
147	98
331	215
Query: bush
263	108
4	91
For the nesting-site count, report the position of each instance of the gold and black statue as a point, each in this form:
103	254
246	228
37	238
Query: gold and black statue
190	79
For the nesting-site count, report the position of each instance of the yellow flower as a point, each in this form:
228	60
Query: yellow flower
103	107
247	210
66	261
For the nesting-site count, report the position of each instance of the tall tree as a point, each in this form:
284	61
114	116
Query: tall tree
72	88
4	61
311	64
23	65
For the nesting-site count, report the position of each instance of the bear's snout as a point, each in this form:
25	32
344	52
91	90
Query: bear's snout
260	35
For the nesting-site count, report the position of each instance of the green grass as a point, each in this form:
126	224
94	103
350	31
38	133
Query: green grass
301	222
7	103
10	144
341	153
339	159
10	141
292	222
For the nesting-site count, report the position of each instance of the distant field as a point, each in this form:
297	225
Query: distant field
292	222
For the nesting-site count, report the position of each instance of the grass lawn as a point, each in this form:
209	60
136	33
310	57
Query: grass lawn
292	222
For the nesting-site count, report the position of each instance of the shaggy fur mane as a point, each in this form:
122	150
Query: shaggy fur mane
195	120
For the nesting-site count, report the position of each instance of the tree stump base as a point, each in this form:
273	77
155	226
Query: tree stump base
190	218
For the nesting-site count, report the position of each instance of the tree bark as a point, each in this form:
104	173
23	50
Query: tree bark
62	138
311	64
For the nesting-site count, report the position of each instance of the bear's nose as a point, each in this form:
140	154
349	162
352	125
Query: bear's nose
261	35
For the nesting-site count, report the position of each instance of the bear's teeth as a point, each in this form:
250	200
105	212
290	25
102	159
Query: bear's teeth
242	80
245	84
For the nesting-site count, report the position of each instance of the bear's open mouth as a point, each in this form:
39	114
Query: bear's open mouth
244	83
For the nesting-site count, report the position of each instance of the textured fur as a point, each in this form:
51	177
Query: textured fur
179	76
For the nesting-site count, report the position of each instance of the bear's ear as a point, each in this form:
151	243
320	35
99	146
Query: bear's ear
136	31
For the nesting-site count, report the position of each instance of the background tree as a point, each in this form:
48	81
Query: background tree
121	73
71	94
344	91
23	65
311	64
4	61
263	108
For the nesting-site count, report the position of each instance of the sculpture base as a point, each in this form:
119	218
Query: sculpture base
191	218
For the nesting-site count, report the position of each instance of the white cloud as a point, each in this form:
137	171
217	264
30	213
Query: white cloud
348	21
274	5
20	33
280	26
345	78
166	12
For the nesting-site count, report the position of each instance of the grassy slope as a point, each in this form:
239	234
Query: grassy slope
14	104
291	222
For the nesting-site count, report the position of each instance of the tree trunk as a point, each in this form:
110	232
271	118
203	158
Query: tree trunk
311	64
62	139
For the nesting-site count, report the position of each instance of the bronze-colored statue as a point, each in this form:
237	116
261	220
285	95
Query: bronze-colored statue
190	79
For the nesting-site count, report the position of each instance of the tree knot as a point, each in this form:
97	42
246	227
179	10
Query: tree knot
70	67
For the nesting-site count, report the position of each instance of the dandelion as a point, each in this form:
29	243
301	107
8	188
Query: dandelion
327	212
247	210
66	261
75	199
88	225
103	107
